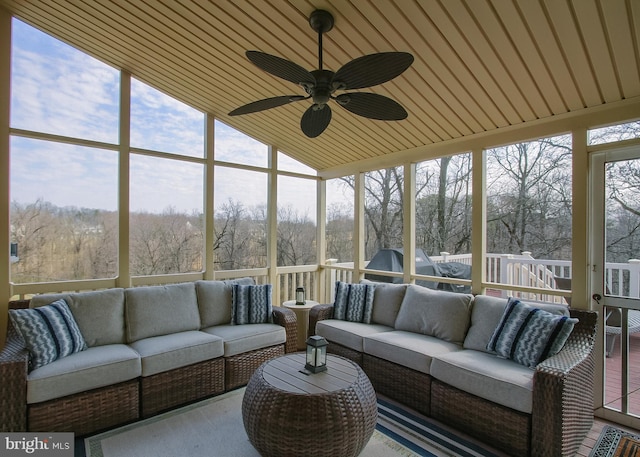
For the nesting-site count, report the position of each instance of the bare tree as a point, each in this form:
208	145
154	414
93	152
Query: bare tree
296	238
528	187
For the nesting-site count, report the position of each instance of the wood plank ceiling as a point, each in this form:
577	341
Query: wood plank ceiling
480	65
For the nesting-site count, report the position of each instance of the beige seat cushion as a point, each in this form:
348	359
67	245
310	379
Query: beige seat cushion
487	376
248	337
412	350
348	334
95	367
167	352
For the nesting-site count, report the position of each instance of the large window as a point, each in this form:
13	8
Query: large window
529	212
383	210
240	218
296	221
63	215
166	216
339	224
58	90
443	220
162	123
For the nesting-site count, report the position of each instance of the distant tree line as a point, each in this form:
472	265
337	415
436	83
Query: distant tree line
528	193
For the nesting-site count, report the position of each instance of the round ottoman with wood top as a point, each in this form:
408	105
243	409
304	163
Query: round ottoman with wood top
287	413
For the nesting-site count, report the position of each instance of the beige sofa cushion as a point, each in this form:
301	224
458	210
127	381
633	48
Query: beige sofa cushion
387	299
99	314
161	310
214	300
412	350
348	334
167	352
248	337
445	315
487	376
95	367
485	316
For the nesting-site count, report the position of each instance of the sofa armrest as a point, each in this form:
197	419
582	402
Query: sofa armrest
14	359
287	319
563	392
319	313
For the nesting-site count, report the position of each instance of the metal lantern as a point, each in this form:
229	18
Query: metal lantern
300	300
316	354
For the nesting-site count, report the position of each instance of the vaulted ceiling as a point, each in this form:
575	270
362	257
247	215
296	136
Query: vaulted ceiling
480	65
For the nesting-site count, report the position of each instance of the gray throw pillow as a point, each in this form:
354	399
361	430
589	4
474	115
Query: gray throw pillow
445	315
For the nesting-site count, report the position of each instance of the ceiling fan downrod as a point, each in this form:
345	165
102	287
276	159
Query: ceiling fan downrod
321	21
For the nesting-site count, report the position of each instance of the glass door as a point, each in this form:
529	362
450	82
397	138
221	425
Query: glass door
615	199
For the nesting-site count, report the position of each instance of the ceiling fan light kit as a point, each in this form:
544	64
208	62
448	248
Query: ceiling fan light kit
320	85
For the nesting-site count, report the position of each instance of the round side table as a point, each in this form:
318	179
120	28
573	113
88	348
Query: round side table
290	414
302	318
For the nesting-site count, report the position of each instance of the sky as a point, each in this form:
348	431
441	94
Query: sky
59	90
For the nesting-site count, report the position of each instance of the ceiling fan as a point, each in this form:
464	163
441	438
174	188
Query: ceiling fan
320	85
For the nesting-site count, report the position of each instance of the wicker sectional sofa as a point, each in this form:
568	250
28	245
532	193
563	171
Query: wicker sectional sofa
428	350
149	349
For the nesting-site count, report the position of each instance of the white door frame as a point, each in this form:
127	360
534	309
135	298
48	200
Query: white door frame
598	161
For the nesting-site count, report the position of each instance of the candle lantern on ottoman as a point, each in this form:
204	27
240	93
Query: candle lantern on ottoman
316	354
300	299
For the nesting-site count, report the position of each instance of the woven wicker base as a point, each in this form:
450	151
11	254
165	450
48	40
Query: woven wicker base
400	383
324	424
13	379
166	390
510	430
239	368
343	351
87	412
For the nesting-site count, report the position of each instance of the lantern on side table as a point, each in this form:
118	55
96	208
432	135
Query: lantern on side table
316	354
300	298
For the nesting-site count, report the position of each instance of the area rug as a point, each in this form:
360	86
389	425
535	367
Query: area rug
614	442
214	427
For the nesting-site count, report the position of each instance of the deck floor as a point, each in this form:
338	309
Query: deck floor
613	397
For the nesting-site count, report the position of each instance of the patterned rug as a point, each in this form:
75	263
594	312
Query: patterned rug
614	442
214	427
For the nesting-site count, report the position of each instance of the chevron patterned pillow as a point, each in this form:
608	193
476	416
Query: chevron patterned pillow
529	335
251	304
353	302
50	332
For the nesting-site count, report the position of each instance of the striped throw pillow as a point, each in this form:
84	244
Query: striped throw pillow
529	335
251	304
50	332
353	302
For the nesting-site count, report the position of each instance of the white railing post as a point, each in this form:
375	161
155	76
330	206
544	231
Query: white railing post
331	280
504	271
444	256
634	278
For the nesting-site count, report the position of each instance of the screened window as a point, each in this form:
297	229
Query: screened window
58	90
161	123
529	213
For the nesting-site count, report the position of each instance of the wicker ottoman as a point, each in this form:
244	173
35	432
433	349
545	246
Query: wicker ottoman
289	414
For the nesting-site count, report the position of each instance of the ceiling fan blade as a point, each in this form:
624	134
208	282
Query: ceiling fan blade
314	121
267	103
372	106
282	68
372	69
